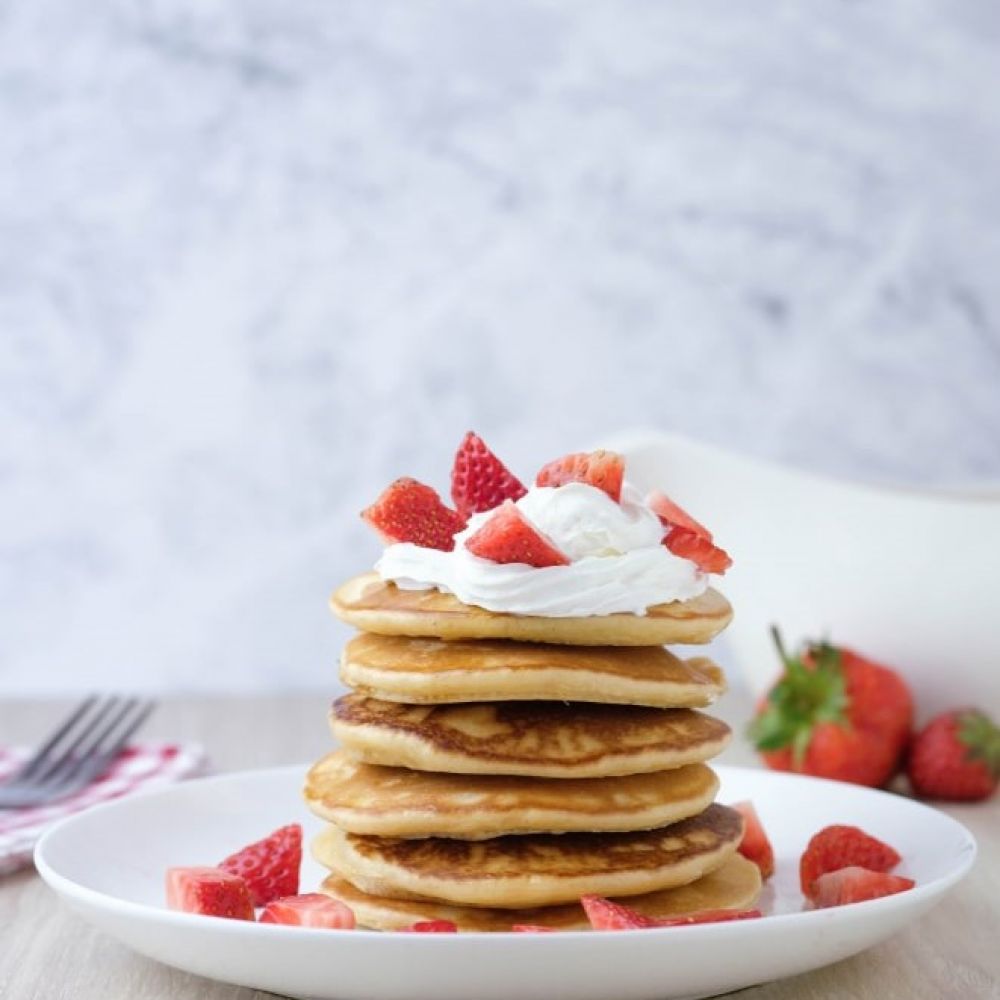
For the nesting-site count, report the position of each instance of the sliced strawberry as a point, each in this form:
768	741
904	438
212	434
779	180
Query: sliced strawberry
532	929
479	480
603	469
838	846
755	845
434	927
270	866
209	891
673	516
408	511
707	917
508	537
855	885
607	915
311	909
703	553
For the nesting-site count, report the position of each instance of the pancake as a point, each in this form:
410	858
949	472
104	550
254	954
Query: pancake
734	884
372	605
395	802
535	870
545	739
432	671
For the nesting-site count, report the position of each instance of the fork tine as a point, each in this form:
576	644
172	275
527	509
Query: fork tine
93	746
90	762
64	728
67	757
144	708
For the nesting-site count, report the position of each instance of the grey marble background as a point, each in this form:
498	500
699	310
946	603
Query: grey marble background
258	258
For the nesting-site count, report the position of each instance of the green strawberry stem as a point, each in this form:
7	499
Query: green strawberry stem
805	695
981	738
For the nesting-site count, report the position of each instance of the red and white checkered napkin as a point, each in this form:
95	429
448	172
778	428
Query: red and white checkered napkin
146	765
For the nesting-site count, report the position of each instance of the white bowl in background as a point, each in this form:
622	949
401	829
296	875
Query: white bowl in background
909	577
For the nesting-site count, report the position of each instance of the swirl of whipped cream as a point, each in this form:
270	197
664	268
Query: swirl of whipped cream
617	560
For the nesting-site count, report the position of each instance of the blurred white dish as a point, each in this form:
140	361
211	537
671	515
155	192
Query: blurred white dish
909	577
108	864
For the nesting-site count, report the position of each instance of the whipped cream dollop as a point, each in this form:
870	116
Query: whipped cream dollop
617	560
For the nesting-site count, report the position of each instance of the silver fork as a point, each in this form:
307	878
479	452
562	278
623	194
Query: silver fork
79	749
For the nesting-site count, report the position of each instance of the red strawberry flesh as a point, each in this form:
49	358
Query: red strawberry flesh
409	511
603	469
674	516
434	927
209	891
311	909
707	556
479	480
856	885
755	845
269	866
508	537
840	846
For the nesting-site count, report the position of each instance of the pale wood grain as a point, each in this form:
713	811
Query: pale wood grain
48	954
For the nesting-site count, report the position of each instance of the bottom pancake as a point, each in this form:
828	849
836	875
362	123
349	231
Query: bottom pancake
734	885
537	869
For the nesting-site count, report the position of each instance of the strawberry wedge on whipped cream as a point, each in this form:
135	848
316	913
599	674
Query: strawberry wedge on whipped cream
607	548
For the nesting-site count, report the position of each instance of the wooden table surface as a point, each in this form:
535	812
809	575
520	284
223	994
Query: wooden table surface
48	954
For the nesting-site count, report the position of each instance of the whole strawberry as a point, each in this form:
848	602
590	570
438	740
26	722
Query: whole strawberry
834	714
956	756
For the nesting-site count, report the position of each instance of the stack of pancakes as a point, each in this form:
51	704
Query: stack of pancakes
496	767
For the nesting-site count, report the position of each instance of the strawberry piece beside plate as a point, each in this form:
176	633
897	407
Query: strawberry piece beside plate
956	756
508	537
856	885
834	714
479	480
269	866
603	469
311	909
211	892
409	511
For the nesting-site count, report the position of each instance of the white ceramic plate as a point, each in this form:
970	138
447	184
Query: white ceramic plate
108	865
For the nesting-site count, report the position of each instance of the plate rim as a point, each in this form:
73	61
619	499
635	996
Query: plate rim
70	890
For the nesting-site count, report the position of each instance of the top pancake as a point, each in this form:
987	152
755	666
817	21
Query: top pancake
432	671
734	884
372	605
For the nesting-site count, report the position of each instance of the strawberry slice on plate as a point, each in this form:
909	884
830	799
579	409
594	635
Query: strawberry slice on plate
840	846
209	891
433	927
603	469
269	866
607	915
311	909
856	885
708	917
755	845
479	480
508	537
409	511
